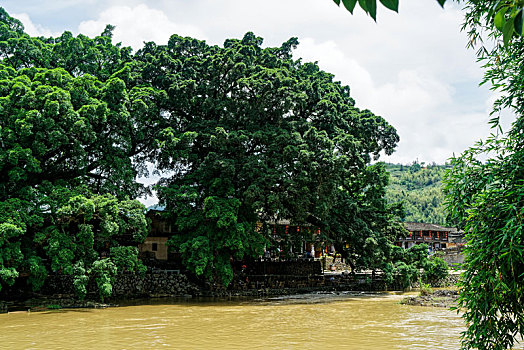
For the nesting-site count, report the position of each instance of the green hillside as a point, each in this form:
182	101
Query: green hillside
419	187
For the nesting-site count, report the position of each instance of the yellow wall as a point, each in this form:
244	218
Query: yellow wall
147	246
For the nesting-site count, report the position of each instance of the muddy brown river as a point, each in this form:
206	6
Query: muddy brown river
313	321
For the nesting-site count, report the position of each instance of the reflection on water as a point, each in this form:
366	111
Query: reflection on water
312	321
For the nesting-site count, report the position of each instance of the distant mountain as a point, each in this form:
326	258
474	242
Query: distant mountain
419	186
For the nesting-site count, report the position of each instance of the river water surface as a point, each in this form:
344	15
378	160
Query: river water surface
313	321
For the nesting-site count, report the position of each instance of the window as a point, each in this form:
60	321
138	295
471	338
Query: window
154	247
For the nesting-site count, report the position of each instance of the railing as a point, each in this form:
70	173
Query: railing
424	238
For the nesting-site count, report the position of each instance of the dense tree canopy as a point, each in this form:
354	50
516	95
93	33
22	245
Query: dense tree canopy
242	134
255	136
71	134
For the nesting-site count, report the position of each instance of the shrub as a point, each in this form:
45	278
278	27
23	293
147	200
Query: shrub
435	270
425	289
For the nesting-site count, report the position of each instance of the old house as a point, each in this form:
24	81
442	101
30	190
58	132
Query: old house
154	245
293	241
289	241
435	236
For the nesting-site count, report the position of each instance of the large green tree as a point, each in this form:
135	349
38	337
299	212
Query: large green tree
72	140
253	136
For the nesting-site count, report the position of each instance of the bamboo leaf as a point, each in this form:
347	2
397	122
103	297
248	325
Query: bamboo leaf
372	8
507	31
518	22
363	5
349	5
390	4
499	19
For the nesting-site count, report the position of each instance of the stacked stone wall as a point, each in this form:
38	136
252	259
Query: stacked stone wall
168	283
151	284
301	267
450	281
453	257
265	285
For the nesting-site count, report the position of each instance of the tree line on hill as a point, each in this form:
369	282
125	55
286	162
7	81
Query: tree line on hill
419	188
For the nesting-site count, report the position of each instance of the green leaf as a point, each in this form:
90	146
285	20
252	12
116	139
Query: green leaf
363	5
372	8
507	30
390	4
518	22
349	5
337	2
500	19
441	2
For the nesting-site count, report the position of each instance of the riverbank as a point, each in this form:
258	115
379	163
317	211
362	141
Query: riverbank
271	286
40	304
445	298
58	292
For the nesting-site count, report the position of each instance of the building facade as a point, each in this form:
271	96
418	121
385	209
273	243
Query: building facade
154	245
435	236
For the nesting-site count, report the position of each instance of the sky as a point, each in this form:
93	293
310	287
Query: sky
411	68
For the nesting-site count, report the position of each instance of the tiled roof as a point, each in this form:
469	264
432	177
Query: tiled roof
422	226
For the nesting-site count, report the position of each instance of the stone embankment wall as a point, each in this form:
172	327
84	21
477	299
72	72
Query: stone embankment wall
58	289
302	267
170	283
449	281
152	284
453	257
338	264
266	285
160	283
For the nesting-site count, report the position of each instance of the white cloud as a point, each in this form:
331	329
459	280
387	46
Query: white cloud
32	28
413	102
136	25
